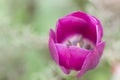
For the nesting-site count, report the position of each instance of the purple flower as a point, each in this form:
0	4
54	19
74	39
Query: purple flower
77	44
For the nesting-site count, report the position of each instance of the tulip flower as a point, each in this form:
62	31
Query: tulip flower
76	44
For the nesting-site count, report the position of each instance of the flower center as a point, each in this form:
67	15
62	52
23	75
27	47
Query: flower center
79	41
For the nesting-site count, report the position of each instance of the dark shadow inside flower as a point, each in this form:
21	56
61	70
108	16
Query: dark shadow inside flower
79	41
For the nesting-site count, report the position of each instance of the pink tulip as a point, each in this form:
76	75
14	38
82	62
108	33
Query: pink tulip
77	44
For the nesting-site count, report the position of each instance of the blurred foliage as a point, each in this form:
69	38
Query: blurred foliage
24	28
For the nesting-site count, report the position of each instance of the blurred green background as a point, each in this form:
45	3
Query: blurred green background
24	29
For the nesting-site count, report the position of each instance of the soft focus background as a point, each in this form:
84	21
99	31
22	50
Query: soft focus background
24	28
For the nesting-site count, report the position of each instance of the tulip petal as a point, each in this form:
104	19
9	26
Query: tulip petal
52	46
90	62
71	57
100	48
99	30
93	22
64	55
71	25
77	57
68	26
81	15
92	59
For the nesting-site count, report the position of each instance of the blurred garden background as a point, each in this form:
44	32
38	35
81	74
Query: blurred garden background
24	29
